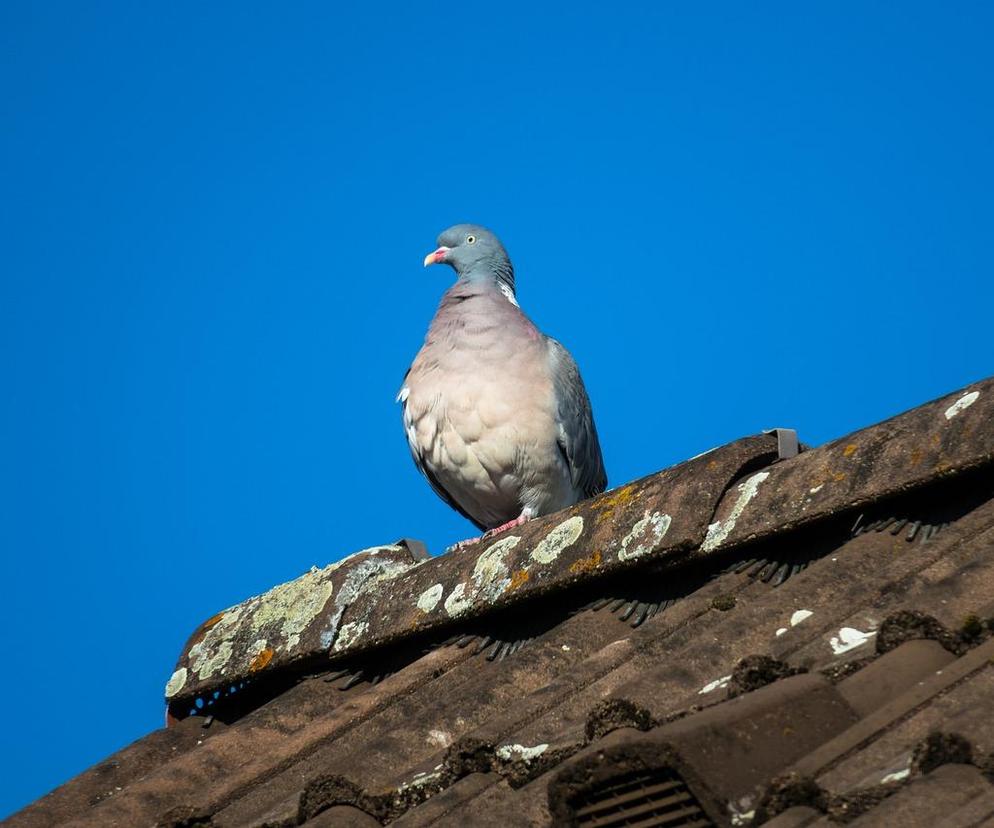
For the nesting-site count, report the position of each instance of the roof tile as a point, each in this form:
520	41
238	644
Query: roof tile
624	656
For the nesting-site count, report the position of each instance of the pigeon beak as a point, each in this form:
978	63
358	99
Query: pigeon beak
436	257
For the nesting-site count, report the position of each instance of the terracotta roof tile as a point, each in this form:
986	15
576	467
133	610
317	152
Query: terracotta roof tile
732	640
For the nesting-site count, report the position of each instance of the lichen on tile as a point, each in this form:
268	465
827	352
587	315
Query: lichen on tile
644	536
559	538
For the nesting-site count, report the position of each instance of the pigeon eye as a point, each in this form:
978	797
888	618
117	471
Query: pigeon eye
470	239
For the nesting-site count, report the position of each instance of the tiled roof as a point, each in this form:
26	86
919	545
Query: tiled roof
745	638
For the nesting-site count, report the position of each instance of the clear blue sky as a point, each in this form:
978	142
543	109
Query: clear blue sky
212	224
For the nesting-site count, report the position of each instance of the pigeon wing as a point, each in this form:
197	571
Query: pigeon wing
577	434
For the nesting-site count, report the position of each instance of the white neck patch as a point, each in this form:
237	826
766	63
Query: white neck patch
508	294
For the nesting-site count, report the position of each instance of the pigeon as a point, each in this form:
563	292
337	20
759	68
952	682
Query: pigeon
496	414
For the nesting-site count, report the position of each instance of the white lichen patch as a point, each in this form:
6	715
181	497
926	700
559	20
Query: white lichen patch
213	651
962	404
742	810
849	638
780	631
370	550
560	538
896	776
287	610
386	570
206	661
176	682
816	489
520	753
419	780
428	600
438	738
349	634
742	817
644	535
719	531
276	620
490	574
717	684
458	602
364	576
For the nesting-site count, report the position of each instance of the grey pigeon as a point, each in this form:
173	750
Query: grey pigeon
496	414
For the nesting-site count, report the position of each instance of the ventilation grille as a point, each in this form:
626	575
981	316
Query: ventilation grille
647	799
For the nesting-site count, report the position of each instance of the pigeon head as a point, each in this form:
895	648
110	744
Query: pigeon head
475	254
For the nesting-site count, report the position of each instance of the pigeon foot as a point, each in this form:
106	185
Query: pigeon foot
522	518
464	544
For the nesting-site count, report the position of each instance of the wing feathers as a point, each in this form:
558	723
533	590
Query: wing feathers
577	433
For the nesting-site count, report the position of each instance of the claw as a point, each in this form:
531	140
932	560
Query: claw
463	544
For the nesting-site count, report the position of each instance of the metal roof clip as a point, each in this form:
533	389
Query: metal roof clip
418	550
787	445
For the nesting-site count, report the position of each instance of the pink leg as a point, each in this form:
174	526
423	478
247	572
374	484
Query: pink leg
505	526
522	518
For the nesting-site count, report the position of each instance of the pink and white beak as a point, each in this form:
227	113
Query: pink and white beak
436	256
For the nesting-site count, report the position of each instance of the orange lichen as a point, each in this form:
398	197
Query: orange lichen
849	450
518	579
210	622
612	501
586	564
261	660
838	476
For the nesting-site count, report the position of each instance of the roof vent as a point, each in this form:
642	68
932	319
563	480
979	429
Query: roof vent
656	798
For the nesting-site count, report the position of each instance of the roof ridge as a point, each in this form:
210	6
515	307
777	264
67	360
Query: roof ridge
693	509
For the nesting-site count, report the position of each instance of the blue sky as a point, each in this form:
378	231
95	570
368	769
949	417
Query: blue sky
211	235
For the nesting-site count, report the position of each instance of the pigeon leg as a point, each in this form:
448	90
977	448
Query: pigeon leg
463	544
524	516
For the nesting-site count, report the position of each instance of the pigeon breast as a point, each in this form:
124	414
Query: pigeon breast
480	409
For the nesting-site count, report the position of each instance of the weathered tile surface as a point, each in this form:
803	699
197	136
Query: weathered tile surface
866	673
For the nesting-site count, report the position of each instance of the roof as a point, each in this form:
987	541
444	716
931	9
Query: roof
754	636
